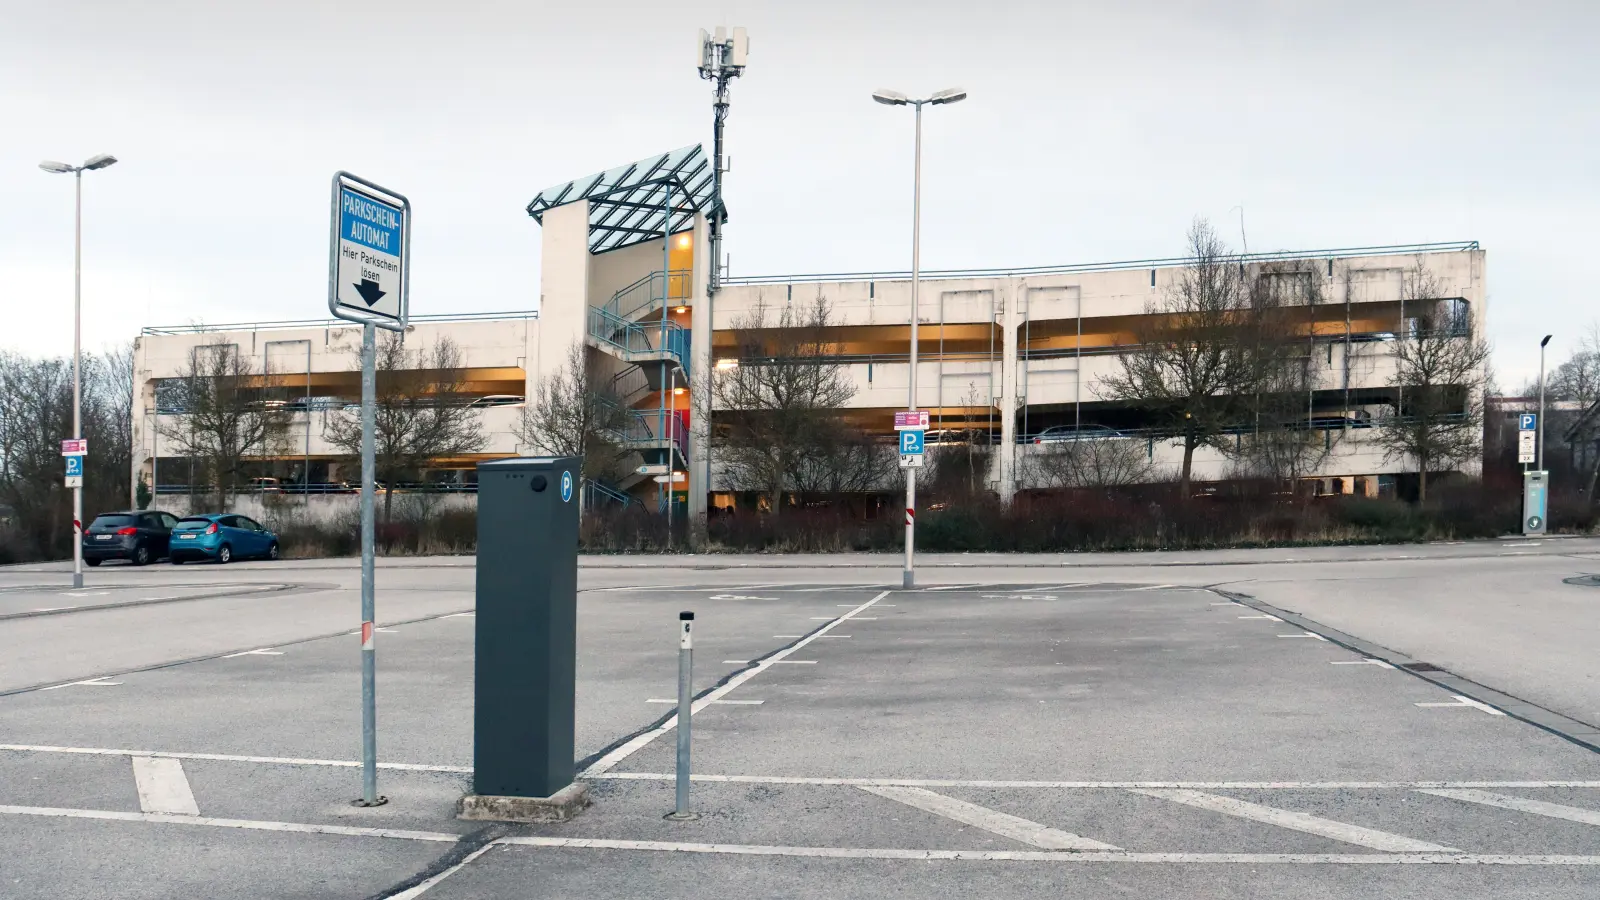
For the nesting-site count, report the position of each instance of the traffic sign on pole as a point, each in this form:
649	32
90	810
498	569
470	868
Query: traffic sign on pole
74	470
1527	446
368	276
75	447
911	420
369	257
1528	422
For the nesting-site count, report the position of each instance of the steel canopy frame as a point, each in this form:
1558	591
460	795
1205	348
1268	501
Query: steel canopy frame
635	203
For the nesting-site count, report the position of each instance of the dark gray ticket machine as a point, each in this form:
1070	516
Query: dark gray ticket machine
526	626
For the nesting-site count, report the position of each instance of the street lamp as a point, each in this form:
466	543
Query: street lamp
58	168
1540	463
895	98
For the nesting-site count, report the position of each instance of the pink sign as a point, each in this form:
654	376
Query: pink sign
911	420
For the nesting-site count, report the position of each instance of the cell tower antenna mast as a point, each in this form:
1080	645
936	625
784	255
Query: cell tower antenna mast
721	58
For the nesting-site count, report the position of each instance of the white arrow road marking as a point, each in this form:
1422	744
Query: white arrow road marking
1282	818
1462	702
103	681
1007	826
1536	807
264	651
163	788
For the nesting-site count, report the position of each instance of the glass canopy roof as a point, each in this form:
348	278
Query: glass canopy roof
630	204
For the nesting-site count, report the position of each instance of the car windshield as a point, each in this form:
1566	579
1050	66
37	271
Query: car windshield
192	523
116	521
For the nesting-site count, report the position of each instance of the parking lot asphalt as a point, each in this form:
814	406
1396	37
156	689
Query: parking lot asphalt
1016	727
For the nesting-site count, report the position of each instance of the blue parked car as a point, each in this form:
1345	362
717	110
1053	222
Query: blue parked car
223	537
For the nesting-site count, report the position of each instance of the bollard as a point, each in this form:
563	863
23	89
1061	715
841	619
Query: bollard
685	711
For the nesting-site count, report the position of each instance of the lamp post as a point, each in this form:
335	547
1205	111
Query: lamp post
895	98
58	168
1540	463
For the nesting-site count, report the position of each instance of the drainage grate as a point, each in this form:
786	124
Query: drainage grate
1583	580
1421	667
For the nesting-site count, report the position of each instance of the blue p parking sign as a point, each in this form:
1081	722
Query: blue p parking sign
74	466
1528	422
566	487
911	442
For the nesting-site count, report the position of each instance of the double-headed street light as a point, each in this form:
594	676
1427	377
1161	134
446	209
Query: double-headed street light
895	98
59	168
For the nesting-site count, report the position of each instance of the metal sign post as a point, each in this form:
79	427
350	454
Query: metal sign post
685	713
368	282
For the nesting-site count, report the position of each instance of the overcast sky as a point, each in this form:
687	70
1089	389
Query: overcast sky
1092	133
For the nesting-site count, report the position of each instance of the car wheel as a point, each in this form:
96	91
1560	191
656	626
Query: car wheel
141	556
91	562
224	554
272	551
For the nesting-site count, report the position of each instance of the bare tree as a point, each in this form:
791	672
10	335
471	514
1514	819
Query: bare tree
1439	381
781	401
226	417
1577	379
421	413
1102	462
574	412
1203	351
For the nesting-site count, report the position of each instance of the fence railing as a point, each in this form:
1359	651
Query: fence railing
638	342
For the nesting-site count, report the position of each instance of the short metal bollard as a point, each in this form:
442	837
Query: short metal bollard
685	712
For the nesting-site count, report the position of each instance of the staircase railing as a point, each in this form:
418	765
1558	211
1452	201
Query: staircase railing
635	338
644	295
639	426
596	491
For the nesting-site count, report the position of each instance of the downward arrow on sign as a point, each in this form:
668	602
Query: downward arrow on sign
369	291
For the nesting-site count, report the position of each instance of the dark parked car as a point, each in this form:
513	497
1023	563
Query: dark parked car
223	537
1063	433
139	536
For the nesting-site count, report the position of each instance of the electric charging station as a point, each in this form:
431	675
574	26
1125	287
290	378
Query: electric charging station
1535	500
525	667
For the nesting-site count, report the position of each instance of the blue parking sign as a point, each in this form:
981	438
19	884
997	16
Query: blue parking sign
911	442
1528	422
74	466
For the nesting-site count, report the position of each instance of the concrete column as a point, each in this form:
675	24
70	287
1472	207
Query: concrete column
1011	294
563	287
700	372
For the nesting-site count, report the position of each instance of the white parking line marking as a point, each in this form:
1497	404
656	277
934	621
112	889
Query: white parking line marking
247	824
783	662
264	651
737	597
458	615
1099	785
857	619
1535	807
879	606
412	893
1282	818
52	608
162	786
266	760
103	681
1226	603
1153	587
1007	826
1361	662
621	753
1273	618
1462	702
1068	856
732	702
791	636
1306	634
